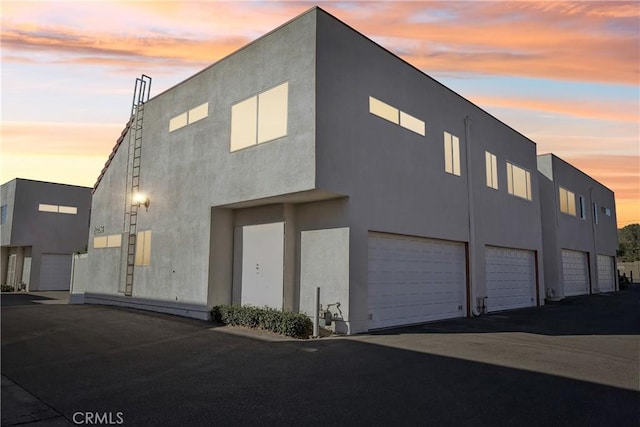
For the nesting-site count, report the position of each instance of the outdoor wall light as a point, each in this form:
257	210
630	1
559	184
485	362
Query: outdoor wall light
141	199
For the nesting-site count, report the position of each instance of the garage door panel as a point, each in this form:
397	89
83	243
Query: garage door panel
606	278
511	278
55	272
413	280
575	272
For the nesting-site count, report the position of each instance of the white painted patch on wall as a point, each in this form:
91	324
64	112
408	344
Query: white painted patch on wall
324	263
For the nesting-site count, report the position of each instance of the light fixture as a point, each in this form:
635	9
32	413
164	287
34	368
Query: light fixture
141	199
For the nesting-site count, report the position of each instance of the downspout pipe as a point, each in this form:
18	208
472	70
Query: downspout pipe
472	227
595	247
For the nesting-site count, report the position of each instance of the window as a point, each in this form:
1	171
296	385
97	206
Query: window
272	113
409	122
193	115
451	154
48	208
261	118
491	169
583	209
385	111
143	248
198	113
567	202
244	124
392	114
518	181
100	242
111	241
68	210
606	211
3	214
178	122
595	212
58	209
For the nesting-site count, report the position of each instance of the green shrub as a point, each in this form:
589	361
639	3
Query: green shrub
6	288
287	323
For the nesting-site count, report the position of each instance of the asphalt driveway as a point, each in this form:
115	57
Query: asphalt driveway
573	363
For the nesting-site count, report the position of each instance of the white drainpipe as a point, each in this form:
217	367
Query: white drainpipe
472	228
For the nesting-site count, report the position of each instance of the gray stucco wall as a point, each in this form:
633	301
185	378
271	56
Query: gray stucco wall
107	218
563	231
338	167
45	232
395	179
190	170
7	198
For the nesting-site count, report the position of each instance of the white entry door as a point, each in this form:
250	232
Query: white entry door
575	273
262	265
26	271
606	279
413	280
11	270
511	278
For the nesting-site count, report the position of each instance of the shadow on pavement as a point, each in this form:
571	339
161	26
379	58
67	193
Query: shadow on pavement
600	314
158	372
15	299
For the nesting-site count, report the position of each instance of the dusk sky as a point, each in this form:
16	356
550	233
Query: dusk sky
565	75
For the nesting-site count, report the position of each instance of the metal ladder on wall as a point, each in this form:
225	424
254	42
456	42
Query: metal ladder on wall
134	156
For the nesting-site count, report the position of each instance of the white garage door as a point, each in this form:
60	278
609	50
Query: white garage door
511	278
575	273
413	280
55	272
606	280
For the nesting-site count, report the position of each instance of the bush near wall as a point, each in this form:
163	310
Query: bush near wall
287	323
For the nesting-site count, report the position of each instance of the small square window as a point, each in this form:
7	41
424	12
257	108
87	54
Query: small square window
100	242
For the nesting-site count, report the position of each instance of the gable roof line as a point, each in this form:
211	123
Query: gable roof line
424	73
566	163
251	43
113	154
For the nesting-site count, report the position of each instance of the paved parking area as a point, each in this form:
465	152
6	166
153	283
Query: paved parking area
572	363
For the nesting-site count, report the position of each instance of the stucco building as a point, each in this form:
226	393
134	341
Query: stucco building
579	230
43	224
313	157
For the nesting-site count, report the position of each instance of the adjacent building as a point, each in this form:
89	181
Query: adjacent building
579	230
313	157
42	225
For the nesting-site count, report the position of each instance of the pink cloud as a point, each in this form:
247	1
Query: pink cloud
547	40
